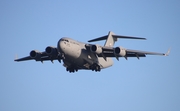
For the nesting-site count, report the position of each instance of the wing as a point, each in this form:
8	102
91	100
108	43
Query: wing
50	54
129	53
110	52
23	59
144	52
43	58
122	52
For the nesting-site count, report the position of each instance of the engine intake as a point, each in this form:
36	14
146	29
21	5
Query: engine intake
120	51
35	54
96	49
51	51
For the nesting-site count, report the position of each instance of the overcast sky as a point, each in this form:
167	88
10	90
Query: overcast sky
148	84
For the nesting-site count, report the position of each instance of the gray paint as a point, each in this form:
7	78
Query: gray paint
77	55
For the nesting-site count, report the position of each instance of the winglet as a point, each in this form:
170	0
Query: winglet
167	53
16	57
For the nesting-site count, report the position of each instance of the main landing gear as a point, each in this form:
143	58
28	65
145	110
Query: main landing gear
71	69
95	67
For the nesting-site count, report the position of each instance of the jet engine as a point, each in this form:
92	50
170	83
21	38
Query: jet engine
96	49
51	51
120	51
35	54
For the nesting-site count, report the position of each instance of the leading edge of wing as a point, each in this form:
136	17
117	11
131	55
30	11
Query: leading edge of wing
147	53
23	59
43	58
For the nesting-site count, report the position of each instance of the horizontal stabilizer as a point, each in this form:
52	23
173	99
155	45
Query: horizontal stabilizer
99	38
128	37
115	37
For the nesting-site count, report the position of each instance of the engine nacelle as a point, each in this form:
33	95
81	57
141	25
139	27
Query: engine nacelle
52	51
96	49
35	54
120	51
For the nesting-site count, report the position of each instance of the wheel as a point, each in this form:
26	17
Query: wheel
95	67
67	69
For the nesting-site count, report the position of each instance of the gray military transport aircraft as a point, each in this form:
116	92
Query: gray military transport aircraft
77	55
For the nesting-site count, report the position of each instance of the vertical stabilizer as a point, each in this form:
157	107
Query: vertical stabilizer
110	40
110	43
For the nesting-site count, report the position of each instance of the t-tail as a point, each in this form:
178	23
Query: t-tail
111	38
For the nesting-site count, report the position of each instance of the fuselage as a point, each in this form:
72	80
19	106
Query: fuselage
77	56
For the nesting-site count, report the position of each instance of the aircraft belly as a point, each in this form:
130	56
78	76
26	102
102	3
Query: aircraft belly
72	61
82	61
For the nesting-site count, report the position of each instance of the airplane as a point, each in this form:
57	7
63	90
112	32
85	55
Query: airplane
85	56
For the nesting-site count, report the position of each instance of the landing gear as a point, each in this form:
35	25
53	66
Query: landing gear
60	57
95	67
71	69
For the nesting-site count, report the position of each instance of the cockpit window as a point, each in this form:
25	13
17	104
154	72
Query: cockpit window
64	40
